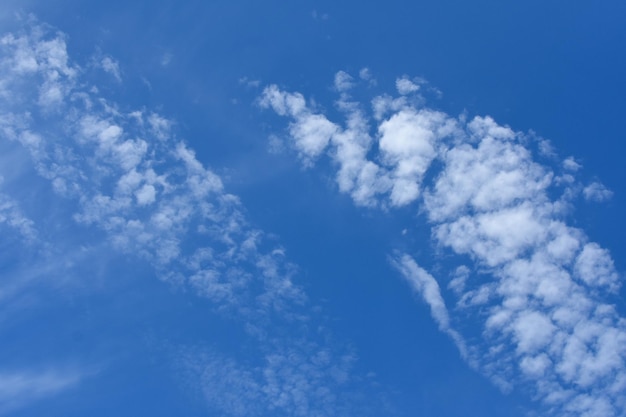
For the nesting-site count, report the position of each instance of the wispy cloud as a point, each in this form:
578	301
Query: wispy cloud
21	388
112	67
545	322
129	176
12	216
427	286
294	379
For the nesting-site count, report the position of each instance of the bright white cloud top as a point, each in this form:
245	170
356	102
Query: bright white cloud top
539	287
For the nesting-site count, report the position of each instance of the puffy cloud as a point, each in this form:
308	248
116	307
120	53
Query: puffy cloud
494	174
365	74
570	164
361	178
146	195
487	199
405	86
597	192
533	331
41	55
311	132
284	104
491	202
408	142
343	81
595	267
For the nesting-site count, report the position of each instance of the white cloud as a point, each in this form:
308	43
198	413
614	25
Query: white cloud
35	53
201	181
146	195
458	283
490	202
159	126
151	196
427	287
408	143
494	237
488	199
535	366
366	75
405	86
343	81
284	104
361	178
12	216
23	388
385	104
494	174
364	179
311	132
570	164
297	379
597	192
112	67
533	331
147	192
595	267
424	284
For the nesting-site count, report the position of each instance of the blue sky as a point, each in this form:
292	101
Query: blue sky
312	208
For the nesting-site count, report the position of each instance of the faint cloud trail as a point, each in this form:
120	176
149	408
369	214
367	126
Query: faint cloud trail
21	388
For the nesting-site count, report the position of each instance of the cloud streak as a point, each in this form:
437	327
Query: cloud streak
128	176
537	286
427	287
18	389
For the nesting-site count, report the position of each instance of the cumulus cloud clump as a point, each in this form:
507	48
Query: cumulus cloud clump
546	321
